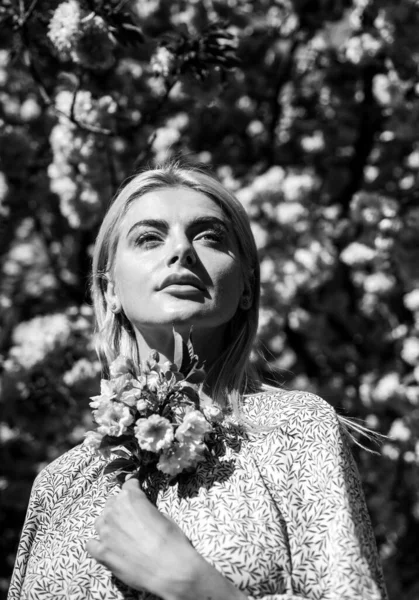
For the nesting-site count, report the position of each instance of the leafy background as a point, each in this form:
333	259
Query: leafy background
309	112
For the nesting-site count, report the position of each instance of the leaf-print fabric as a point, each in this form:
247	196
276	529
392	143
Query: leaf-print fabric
279	511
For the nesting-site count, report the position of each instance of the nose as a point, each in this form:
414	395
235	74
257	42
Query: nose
182	252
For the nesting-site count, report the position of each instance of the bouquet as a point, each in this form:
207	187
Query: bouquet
150	417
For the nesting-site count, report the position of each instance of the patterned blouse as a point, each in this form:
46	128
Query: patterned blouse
279	511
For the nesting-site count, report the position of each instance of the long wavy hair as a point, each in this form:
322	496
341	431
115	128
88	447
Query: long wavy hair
232	375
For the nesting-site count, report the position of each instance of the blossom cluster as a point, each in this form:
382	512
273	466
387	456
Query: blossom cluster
77	174
151	418
81	36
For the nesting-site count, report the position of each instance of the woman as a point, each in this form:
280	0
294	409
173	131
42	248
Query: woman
278	513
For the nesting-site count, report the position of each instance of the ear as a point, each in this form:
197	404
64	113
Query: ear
111	297
246	299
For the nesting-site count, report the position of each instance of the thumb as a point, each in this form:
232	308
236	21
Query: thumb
131	483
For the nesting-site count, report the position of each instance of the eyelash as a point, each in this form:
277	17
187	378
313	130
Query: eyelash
146	238
151	239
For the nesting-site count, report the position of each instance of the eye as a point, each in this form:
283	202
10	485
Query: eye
213	236
147	240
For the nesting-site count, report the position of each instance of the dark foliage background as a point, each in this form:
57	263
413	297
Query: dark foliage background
309	112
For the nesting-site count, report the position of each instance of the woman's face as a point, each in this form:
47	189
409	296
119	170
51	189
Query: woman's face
177	263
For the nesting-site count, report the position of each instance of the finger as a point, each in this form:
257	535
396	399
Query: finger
94	548
98	523
111	501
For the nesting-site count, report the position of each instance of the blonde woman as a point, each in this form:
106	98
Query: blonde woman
279	514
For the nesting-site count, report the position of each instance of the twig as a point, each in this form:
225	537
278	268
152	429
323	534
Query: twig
146	120
73	102
30	10
120	6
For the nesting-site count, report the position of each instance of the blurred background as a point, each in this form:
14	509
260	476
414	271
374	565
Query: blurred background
309	112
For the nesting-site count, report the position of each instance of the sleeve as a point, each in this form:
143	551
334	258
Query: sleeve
35	522
313	480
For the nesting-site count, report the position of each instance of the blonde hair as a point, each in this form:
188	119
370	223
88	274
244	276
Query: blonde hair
232	374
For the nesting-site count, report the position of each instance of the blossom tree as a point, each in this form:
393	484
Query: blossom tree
309	113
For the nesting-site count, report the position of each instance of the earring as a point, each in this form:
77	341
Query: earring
245	302
114	308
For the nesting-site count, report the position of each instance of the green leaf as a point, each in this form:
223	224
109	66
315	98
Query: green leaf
120	464
196	376
124	29
121	453
108	441
178	349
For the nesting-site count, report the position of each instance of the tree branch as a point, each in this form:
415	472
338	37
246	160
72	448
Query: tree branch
369	124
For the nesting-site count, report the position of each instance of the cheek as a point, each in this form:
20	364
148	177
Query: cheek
132	278
229	281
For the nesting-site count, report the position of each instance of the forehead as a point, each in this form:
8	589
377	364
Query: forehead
172	204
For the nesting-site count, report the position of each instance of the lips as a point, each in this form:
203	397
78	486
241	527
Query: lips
178	279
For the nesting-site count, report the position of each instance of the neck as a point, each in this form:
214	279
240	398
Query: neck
208	343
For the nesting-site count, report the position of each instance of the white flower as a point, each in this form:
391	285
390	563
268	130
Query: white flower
410	350
193	428
411	300
121	366
154	434
82	370
113	418
64	27
4	190
296	186
313	143
107	392
153	380
379	283
359	48
213	413
260	234
93	439
34	339
386	387
357	254
142	405
162	61
183	456
270	181
255	128
288	213
130	396
412	160
388	89
399	431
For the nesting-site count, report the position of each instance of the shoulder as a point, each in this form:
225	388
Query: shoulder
288	408
78	465
291	425
300	435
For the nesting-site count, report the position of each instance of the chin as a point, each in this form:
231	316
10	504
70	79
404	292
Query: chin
187	319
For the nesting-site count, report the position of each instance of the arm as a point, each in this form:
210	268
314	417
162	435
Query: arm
312	477
36	516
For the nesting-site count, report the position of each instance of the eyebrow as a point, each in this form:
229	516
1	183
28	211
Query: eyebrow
162	224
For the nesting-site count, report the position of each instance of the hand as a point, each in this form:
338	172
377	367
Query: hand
142	547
